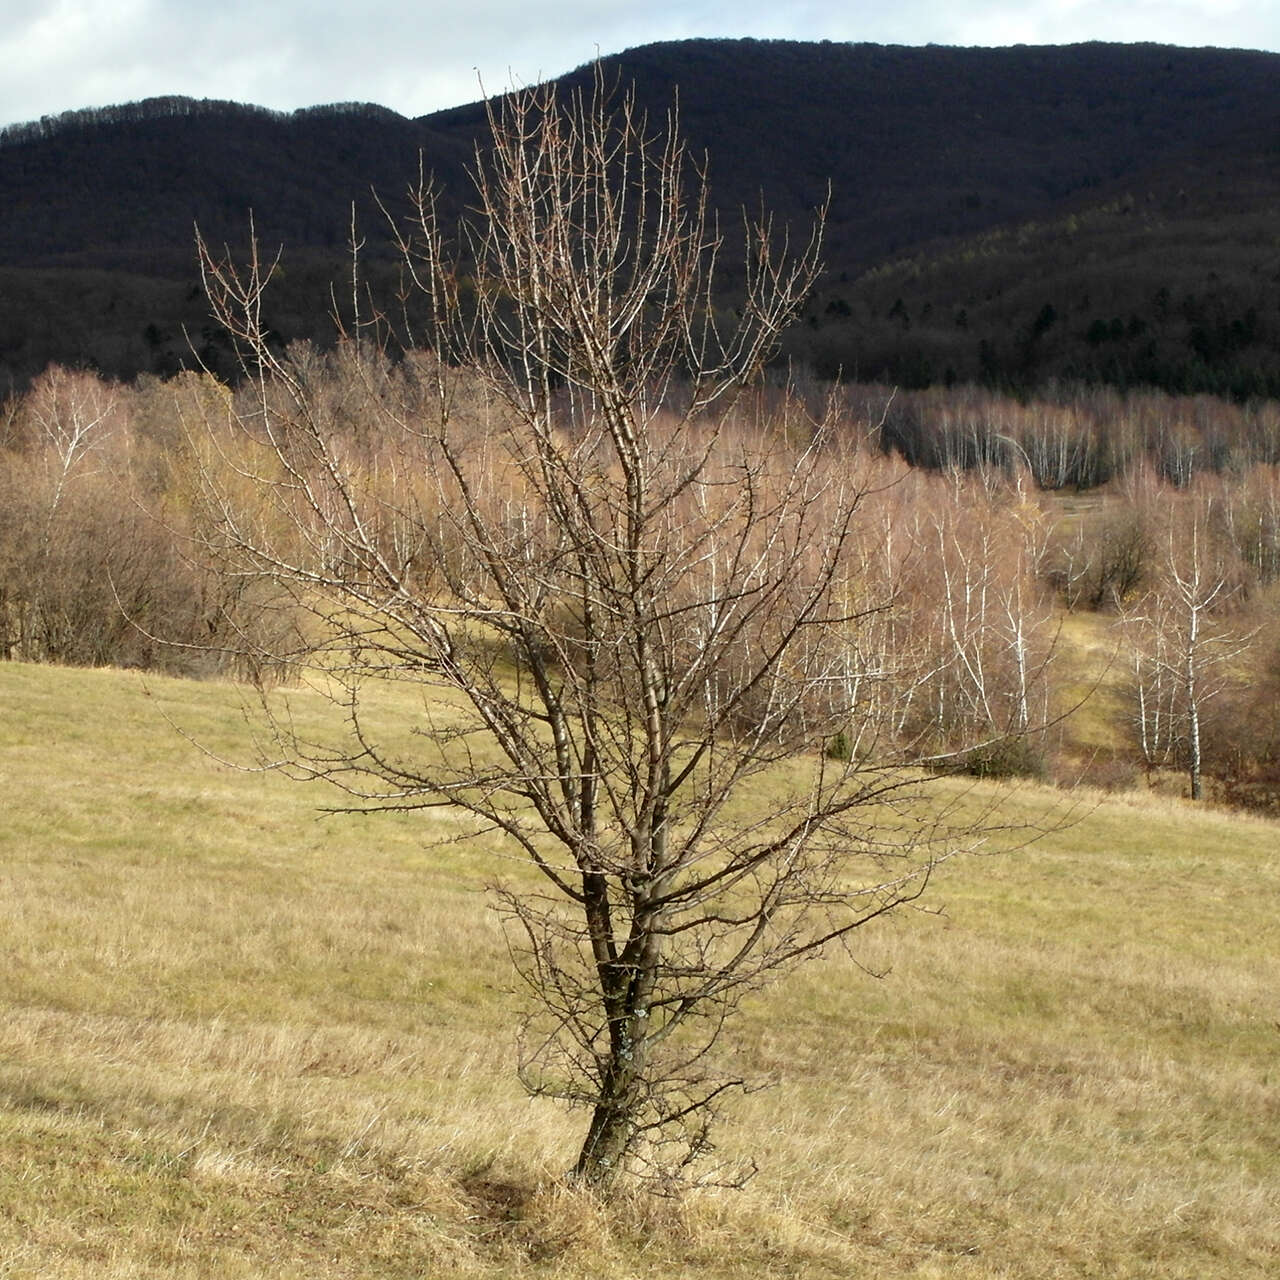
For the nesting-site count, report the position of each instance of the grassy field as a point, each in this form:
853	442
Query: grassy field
240	1040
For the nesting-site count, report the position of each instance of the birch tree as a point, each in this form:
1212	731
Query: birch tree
1182	643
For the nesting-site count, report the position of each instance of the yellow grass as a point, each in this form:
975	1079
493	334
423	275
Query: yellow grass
242	1041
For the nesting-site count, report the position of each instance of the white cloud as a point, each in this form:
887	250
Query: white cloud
1225	23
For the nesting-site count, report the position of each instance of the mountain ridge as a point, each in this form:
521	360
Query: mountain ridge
932	153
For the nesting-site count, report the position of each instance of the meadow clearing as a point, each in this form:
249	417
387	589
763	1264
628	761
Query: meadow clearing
243	1040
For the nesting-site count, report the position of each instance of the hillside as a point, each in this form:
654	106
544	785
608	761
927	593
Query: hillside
239	1041
1129	183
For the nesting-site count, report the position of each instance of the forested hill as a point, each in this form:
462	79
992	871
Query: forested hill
1103	212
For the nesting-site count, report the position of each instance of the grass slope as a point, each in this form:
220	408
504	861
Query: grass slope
242	1041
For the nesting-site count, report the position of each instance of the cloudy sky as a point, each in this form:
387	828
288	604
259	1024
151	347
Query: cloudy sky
416	58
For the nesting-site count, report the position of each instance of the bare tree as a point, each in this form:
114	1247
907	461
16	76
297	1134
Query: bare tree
979	632
1181	647
560	514
62	426
73	414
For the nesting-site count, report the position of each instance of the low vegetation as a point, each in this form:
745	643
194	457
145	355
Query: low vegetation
242	1040
1028	551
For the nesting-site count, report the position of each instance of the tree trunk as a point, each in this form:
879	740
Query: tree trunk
613	1122
1193	703
1197	785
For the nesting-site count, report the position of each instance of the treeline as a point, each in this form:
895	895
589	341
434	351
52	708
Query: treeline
175	106
977	575
1076	437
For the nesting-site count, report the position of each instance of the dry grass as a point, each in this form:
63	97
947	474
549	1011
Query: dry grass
240	1041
